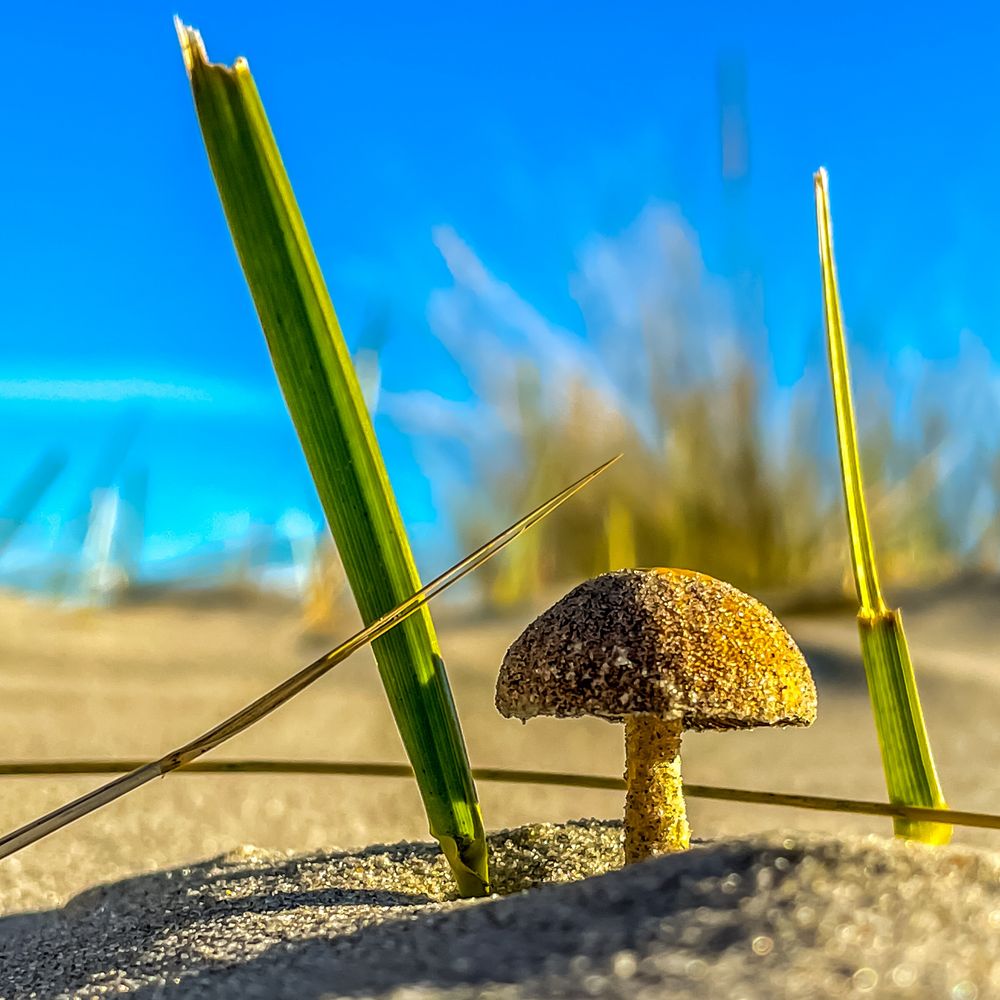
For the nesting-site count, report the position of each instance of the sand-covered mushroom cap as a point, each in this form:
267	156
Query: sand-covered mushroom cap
672	643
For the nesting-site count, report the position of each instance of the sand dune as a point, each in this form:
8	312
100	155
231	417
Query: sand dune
764	917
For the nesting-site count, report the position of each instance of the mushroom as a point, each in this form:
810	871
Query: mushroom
665	650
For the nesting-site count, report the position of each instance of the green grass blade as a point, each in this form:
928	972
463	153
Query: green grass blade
323	396
911	778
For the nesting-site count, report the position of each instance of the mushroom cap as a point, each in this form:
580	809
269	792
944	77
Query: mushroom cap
673	643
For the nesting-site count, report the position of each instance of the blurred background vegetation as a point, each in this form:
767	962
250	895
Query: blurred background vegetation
726	470
166	460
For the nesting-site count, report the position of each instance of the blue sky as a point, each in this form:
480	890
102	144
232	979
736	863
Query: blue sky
527	129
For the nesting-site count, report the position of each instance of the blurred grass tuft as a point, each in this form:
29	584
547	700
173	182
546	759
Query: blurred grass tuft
730	470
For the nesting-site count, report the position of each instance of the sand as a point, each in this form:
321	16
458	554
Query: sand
777	916
136	681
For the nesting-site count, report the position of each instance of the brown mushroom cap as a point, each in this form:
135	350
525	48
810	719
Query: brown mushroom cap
673	643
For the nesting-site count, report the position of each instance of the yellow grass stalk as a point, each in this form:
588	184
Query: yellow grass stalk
910	774
276	697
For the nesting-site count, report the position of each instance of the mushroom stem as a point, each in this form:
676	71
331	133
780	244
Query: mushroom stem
655	818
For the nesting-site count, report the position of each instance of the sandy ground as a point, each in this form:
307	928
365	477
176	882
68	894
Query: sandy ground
747	918
137	681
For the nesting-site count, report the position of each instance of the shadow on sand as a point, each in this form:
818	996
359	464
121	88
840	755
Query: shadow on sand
127	928
152	927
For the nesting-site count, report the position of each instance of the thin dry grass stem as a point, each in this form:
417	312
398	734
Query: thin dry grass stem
266	704
561	779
